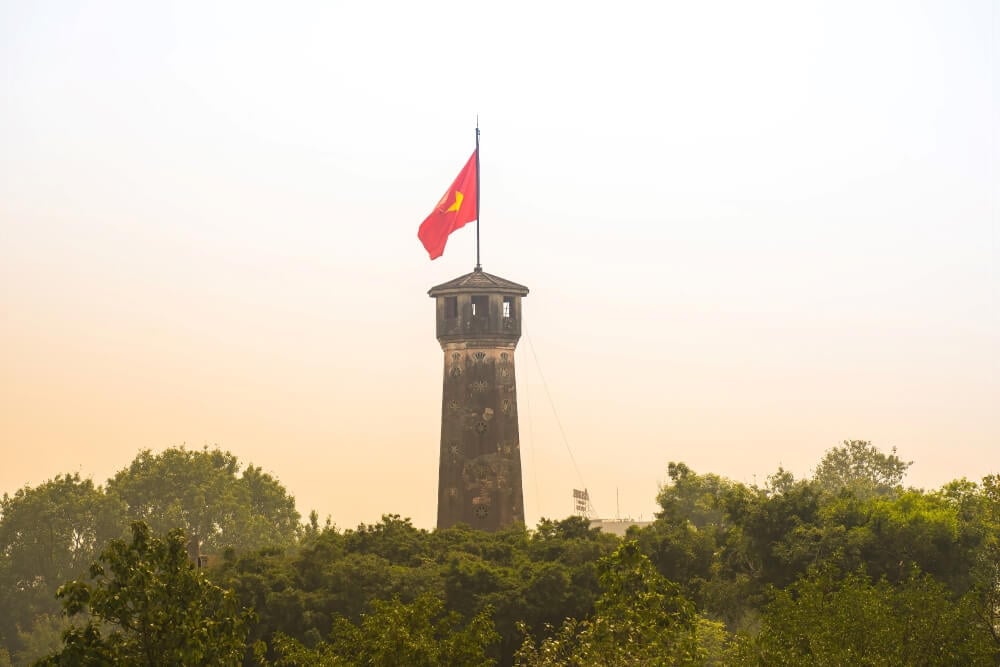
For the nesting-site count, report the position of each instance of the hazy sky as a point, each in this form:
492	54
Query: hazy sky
751	230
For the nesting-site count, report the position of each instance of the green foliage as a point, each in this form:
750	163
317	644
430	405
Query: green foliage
641	609
269	517
640	619
693	498
48	534
202	493
419	634
986	571
728	574
778	530
149	606
51	533
716	647
54	529
698	541
859	467
825	619
44	638
729	546
540	577
394	539
264	581
293	653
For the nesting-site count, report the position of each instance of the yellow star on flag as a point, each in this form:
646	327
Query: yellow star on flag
458	202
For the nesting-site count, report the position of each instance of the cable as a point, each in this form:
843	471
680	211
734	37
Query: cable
562	431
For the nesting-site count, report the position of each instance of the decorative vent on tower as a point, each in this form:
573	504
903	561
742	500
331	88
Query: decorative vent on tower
479	357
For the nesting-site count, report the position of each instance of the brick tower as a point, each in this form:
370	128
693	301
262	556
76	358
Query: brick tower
478	326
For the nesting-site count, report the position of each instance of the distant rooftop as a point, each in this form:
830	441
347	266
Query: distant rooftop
617	526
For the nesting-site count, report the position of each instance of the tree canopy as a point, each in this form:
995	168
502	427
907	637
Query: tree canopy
52	532
203	493
148	605
846	566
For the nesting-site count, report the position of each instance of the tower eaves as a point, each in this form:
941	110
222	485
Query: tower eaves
478	281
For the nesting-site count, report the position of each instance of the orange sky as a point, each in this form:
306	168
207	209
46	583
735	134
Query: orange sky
749	233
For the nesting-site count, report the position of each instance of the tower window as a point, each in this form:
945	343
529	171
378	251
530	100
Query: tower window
508	306
480	306
451	307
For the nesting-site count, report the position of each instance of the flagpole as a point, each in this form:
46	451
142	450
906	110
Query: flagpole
479	267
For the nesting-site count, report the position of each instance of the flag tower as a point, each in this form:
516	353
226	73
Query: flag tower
478	327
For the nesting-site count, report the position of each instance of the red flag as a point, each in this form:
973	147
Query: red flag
456	208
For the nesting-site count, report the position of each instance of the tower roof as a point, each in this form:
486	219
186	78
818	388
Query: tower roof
479	281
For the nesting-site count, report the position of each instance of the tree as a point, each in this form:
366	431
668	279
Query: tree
861	468
773	526
693	498
419	634
44	638
148	605
828	619
394	538
267	582
561	581
48	534
986	572
203	494
693	540
269	517
639	619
